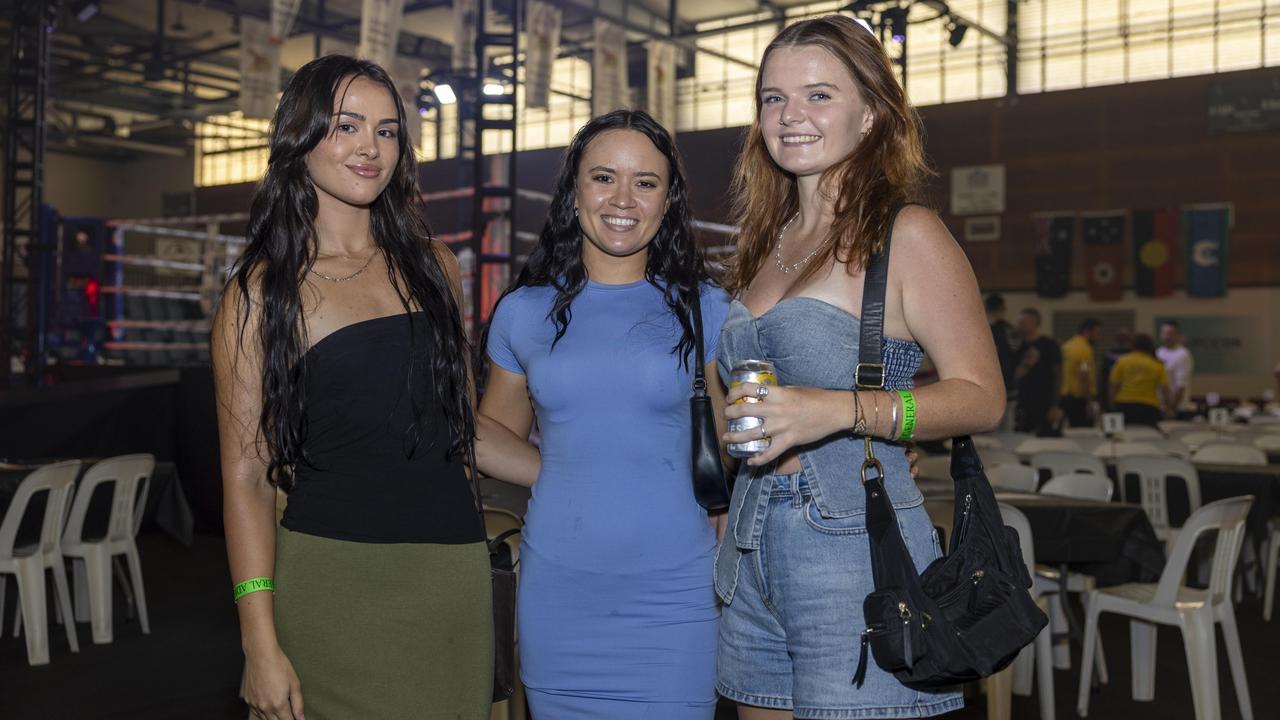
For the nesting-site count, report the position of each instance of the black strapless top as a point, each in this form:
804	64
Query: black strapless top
378	472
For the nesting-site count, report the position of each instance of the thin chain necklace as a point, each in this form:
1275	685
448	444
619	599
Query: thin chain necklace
777	252
352	276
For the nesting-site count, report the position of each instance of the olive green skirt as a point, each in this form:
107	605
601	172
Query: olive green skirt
387	631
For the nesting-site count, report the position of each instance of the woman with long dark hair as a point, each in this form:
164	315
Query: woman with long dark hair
595	341
341	371
831	164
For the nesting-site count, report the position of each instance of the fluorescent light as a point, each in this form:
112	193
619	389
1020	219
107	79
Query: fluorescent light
445	95
492	88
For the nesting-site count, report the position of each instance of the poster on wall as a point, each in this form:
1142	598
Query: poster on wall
1222	344
1155	252
380	30
977	190
259	69
1206	235
1104	253
1055	234
542	38
608	68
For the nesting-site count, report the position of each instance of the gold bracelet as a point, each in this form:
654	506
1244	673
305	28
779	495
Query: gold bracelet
859	418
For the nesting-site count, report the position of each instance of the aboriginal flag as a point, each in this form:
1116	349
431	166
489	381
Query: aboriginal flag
1104	253
1055	234
1155	252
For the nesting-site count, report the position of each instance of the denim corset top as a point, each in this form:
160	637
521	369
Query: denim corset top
812	343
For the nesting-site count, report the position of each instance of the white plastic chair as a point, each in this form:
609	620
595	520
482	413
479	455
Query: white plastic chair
131	475
29	562
1064	463
1082	432
934	467
1047	444
1011	440
1141	432
1153	480
1197	438
1014	477
1268	442
1125	449
1036	657
1177	426
998	456
1081	486
982	441
1229	454
1192	610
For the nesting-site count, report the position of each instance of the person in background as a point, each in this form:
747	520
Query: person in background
1121	344
1080	374
1179	363
1008	346
1037	377
1140	383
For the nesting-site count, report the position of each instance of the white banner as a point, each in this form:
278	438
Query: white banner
542	43
609	68
334	46
283	13
406	75
465	21
661	100
259	69
379	30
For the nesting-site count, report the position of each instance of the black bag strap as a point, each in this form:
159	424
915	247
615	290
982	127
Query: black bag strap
699	374
870	373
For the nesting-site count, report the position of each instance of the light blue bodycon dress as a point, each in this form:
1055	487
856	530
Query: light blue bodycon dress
617	613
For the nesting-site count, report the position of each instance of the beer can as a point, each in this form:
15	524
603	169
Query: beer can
750	371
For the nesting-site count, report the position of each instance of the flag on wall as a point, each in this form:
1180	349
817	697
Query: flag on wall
661	90
1155	255
406	74
283	13
466	15
1104	253
608	68
1206	235
380	31
1055	234
542	38
259	69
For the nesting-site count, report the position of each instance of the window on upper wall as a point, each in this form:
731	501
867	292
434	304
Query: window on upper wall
230	149
1082	43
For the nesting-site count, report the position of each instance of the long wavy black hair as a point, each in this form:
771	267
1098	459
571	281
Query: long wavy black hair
282	247
674	265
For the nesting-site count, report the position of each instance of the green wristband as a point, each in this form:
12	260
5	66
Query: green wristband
908	414
253	585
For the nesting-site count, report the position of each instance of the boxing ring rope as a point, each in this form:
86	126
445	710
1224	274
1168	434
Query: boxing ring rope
162	301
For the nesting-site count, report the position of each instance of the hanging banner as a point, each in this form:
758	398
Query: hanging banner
1206	235
661	91
1155	254
608	68
1104	253
334	46
1055	234
407	74
380	30
542	38
466	15
283	13
259	69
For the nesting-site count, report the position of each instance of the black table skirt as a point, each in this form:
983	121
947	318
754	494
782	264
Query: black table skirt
1217	482
166	509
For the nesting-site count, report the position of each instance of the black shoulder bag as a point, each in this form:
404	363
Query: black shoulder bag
502	571
969	613
710	487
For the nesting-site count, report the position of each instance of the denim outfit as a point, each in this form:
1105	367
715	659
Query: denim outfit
795	564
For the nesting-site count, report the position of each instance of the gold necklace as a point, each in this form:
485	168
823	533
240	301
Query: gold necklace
777	252
349	277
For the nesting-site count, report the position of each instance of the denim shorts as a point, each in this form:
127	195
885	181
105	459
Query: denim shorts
789	635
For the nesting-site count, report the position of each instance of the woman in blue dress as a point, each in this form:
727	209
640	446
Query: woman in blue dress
617	613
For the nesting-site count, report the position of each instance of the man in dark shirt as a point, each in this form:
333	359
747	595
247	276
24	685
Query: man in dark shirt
1008	344
1038	375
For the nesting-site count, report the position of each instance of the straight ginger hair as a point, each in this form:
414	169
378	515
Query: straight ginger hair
883	173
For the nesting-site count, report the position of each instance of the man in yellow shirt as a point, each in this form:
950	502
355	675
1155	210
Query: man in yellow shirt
1080	374
1140	383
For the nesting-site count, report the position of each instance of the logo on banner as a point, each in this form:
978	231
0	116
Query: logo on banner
1154	254
1205	253
1104	273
